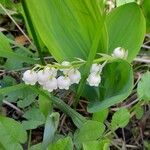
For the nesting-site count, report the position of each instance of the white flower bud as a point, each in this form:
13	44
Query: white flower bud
44	75
65	64
74	76
96	68
30	77
63	82
94	79
119	53
50	85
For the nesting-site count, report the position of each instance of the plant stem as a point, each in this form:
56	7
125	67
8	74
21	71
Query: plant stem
32	29
29	140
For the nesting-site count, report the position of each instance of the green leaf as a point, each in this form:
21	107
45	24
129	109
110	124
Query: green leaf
44	105
36	147
115	73
75	116
7	81
13	93
27	97
34	118
91	130
50	129
62	144
96	145
12	134
6	52
120	119
126	28
143	88
139	111
100	116
68	27
146	10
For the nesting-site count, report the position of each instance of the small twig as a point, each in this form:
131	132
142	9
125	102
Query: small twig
13	106
145	46
141	134
124	139
138	79
147	35
113	143
126	106
146	42
17	25
142	60
63	117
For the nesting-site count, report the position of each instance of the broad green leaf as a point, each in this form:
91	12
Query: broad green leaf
96	145
139	111
20	93
143	88
68	27
34	118
126	28
62	144
16	92
120	119
27	97
115	73
91	130
36	147
78	119
7	81
100	116
50	129
146	10
122	2
13	88
12	134
6	52
44	105
147	145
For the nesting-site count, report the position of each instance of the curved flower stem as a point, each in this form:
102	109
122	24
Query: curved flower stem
75	64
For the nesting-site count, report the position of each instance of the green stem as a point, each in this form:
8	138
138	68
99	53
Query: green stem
29	140
88	64
32	29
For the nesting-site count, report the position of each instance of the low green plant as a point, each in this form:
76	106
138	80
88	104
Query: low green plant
89	47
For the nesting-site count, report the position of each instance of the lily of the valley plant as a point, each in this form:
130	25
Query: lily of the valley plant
47	76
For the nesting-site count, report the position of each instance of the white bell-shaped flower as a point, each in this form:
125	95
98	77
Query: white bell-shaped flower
30	77
53	72
65	64
94	79
50	85
119	52
44	75
74	76
96	68
63	82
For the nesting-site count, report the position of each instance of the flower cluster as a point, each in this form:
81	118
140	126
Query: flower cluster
47	76
48	79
